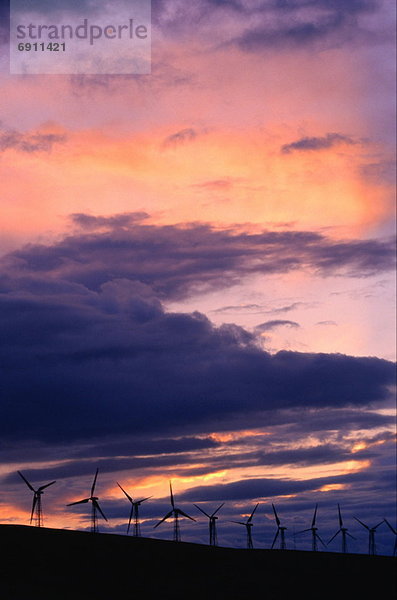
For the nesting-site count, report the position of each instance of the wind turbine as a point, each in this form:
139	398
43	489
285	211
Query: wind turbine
95	508
212	524
248	526
134	512
176	513
37	512
395	533
280	531
313	529
371	536
343	531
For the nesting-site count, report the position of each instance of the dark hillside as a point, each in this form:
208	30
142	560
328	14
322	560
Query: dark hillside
59	564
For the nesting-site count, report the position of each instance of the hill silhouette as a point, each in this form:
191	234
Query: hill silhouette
61	564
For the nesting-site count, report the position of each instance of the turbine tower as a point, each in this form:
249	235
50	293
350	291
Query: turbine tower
212	524
280	532
343	531
313	530
371	536
37	511
395	533
176	513
134	514
95	508
248	526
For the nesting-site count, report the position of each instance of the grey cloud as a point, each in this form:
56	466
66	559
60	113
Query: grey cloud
269	325
276	22
306	144
281	25
239	308
29	143
180	137
290	307
91	222
264	488
176	261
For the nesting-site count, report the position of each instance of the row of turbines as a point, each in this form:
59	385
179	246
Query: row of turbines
175	513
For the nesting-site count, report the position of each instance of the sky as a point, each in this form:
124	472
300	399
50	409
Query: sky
197	275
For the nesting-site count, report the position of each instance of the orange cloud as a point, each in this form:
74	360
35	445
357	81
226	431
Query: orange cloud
332	487
103	175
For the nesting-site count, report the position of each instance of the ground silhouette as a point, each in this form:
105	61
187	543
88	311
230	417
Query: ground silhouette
61	564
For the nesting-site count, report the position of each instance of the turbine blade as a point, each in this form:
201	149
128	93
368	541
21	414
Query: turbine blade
33	507
314	516
219	508
390	526
94	483
275	539
318	537
123	490
79	502
276	516
43	487
349	534
303	531
252	514
378	525
334	536
26	481
180	512
340	517
96	504
143	500
201	510
172	496
361	523
167	516
130	519
237	522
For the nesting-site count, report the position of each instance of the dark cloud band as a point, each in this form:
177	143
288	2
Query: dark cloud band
84	322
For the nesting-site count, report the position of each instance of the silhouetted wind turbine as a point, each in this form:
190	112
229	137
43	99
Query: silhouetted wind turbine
37	512
95	508
176	513
248	526
212	524
395	533
134	512
280	532
343	531
371	536
313	529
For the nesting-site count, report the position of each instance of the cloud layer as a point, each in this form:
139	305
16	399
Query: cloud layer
176	260
83	320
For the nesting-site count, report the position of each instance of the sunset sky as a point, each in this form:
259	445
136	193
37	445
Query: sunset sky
197	273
